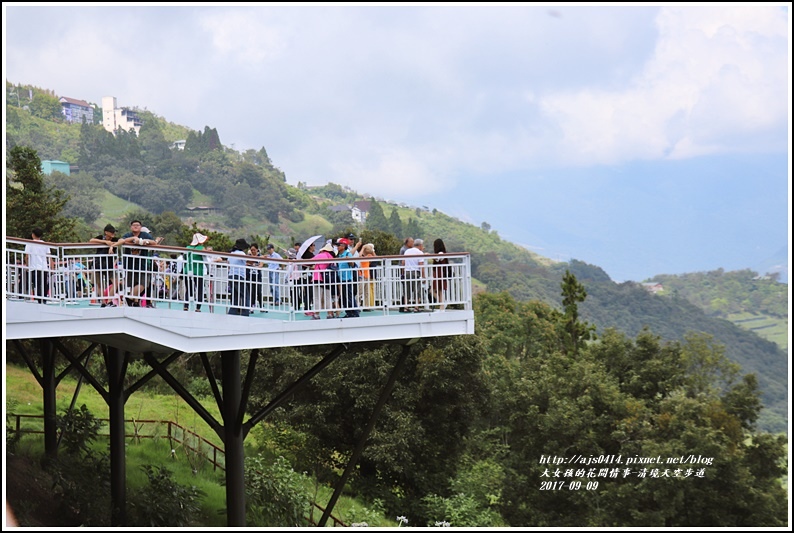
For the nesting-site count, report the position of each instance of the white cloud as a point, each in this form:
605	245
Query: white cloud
242	36
718	77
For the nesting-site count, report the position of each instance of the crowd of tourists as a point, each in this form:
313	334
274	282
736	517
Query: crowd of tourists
341	280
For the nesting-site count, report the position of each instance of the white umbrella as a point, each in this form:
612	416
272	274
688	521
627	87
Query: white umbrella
299	255
305	246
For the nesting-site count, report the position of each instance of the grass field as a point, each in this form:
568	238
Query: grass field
770	328
25	394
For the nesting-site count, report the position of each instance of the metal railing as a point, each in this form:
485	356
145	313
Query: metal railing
182	279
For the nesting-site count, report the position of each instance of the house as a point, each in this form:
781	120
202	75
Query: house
114	117
653	288
48	167
179	145
77	110
203	209
360	210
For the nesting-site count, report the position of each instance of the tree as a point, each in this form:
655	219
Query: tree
376	219
573	293
46	106
153	145
396	224
413	229
30	203
83	189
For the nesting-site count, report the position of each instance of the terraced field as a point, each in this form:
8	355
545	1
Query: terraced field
770	328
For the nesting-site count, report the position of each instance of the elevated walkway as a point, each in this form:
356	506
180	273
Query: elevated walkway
164	330
377	292
133	303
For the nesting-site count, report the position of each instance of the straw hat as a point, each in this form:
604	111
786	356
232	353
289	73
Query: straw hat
198	238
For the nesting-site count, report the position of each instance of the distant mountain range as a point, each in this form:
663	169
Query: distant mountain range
777	264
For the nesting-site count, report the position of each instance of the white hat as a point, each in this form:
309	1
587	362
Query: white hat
198	238
327	248
145	229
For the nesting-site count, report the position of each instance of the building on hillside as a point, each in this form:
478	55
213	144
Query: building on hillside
178	145
203	209
653	288
76	111
339	208
360	210
48	167
114	117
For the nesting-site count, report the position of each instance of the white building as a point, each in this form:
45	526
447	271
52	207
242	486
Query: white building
114	117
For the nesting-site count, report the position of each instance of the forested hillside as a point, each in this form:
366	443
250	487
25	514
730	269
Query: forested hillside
757	303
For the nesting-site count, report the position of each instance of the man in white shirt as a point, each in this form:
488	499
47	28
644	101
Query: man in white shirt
39	265
414	273
274	274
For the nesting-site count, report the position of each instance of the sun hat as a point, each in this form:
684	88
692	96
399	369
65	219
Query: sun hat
198	238
327	248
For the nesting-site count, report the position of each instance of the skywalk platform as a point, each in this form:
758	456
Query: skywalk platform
164	330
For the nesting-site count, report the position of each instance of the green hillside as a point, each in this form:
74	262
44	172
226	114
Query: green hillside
757	303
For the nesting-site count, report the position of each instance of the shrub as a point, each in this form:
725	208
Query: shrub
164	502
276	495
79	429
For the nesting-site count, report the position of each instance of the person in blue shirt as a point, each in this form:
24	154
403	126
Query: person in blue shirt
240	290
348	277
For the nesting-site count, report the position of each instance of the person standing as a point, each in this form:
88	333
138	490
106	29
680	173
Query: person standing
136	262
348	279
324	279
408	243
105	265
368	266
305	281
274	274
194	268
40	263
237	280
255	280
439	274
414	266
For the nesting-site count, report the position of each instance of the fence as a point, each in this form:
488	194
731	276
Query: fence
171	277
202	448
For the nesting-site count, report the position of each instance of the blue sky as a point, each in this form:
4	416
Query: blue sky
643	139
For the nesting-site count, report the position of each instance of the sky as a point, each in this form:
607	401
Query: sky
644	139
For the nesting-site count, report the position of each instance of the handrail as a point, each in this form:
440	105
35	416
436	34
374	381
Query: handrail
18	431
78	274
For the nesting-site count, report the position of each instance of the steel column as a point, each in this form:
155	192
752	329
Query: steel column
233	438
48	387
115	363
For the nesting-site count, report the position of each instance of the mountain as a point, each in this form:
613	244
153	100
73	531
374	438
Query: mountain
777	264
249	195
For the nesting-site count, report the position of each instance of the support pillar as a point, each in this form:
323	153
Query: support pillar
114	361
233	438
48	383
